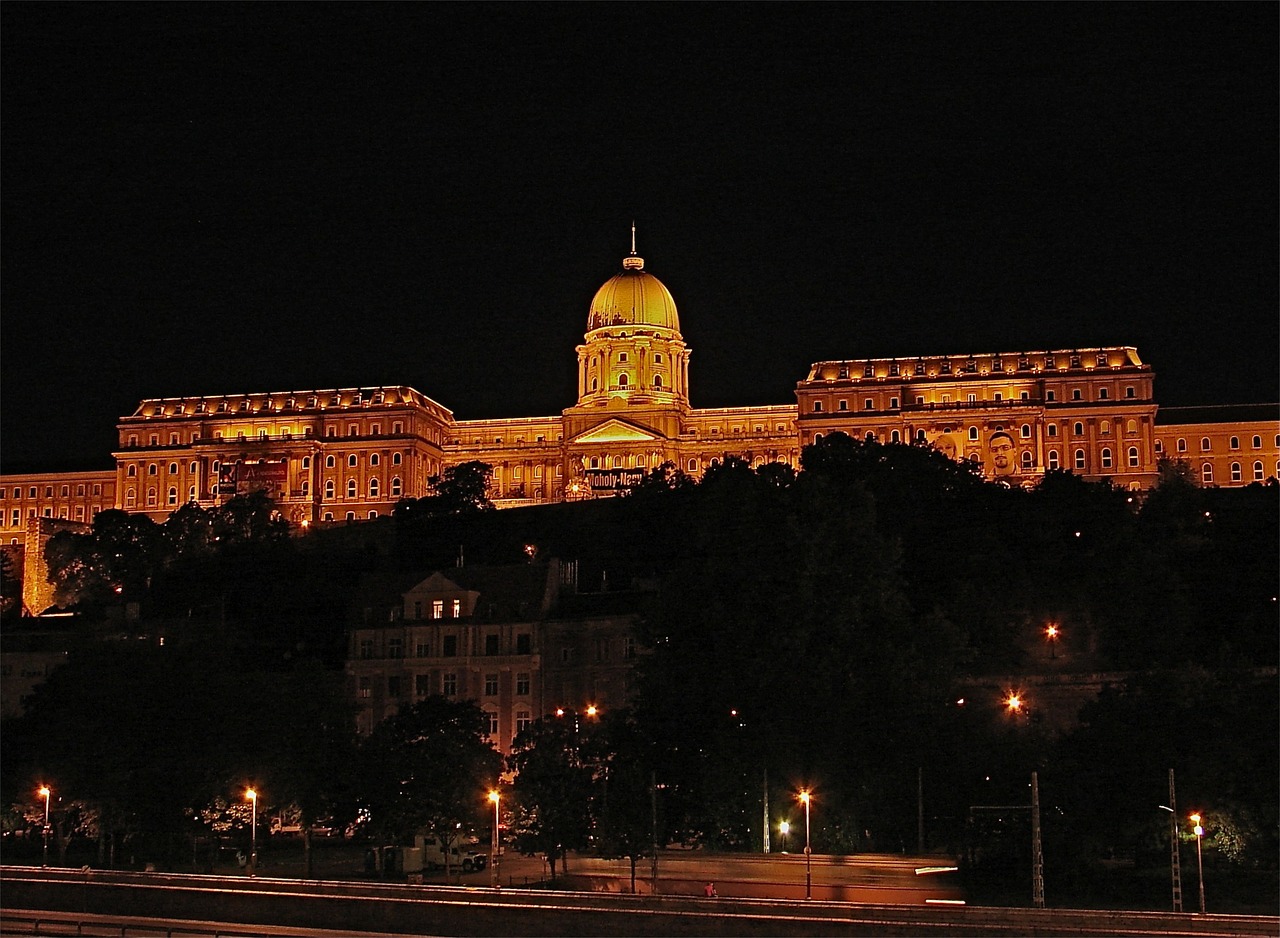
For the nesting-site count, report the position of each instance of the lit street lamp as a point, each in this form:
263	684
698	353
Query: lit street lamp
496	798
1051	633
808	854
253	836
784	828
1195	819
45	793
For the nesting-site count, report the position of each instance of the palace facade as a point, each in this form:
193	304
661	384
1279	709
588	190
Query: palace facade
341	455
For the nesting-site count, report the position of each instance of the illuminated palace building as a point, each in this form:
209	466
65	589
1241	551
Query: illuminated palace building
351	454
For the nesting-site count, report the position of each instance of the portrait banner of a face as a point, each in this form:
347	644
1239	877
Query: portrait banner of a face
945	444
1001	458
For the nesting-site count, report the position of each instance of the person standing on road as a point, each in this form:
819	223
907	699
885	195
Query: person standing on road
710	891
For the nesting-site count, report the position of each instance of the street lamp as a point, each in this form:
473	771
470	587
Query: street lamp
1051	633
45	792
808	853
253	836
496	798
1199	831
784	828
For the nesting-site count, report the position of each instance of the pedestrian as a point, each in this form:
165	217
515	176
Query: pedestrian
710	891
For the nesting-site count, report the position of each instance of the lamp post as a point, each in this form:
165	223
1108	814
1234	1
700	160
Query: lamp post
808	853
496	798
1051	633
253	835
784	828
45	793
1199	831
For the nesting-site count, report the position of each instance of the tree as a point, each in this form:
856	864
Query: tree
552	789
114	561
462	489
427	768
625	819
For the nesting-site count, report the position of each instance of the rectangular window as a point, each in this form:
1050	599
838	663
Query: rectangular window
628	647
421	685
522	720
366	648
523	644
366	687
491	685
423	650
393	686
491	644
893	403
492	716
868	404
437	608
395	648
522	684
450	684
451	646
457	608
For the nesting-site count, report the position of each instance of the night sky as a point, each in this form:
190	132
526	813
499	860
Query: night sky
228	198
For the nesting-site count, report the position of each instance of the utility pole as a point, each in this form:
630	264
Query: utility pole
1037	853
1175	864
653	814
765	823
920	809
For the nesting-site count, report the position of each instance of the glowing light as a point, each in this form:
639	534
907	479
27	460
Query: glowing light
591	710
251	794
559	711
45	792
804	797
1051	631
495	797
1013	702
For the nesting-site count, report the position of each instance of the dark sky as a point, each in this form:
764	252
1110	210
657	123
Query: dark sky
224	198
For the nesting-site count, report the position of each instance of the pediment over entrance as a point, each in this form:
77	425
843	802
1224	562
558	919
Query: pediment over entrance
616	431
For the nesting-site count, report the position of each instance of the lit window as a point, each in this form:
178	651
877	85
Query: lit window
366	687
973	434
437	608
491	717
457	609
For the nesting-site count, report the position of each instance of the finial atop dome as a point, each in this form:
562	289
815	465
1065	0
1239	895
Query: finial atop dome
632	262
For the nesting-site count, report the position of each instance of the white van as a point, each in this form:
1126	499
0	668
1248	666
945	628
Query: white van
461	856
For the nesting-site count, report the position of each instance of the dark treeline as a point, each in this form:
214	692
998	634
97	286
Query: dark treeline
813	629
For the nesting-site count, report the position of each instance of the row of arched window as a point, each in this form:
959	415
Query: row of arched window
1237	472
1206	444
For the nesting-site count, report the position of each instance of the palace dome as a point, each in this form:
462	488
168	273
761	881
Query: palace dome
633	297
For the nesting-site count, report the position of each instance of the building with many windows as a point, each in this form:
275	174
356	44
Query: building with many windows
518	640
343	455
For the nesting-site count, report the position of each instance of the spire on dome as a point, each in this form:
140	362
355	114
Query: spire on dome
632	262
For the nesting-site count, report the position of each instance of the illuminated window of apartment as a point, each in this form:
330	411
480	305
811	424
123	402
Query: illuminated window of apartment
366	687
1079	459
450	688
437	608
1053	459
1206	473
1235	472
456	609
522	683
